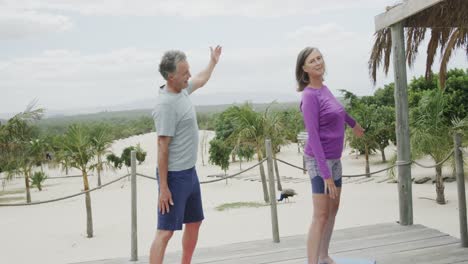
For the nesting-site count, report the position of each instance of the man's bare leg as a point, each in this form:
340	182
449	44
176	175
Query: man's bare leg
189	241
158	248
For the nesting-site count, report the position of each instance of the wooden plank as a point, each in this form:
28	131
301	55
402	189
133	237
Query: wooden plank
401	12
400	247
433	255
386	243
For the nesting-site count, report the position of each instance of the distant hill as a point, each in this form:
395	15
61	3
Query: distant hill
137	113
133	114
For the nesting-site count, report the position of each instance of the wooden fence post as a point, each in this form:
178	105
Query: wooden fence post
271	181
134	234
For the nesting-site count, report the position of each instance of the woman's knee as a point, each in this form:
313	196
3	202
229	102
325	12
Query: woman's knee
321	217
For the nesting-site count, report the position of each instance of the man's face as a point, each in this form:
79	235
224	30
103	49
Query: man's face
181	76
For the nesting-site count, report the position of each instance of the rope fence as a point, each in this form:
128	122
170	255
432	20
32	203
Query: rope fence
438	164
398	163
355	175
456	152
71	176
234	175
49	178
463	150
66	197
215	180
225	177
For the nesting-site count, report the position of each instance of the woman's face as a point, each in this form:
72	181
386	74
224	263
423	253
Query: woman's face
314	64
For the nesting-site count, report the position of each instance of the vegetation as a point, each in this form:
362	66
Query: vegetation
38	179
78	144
430	134
18	148
435	115
125	157
101	141
241	131
377	119
227	206
446	39
219	154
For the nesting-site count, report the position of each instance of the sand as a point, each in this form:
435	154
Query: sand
56	232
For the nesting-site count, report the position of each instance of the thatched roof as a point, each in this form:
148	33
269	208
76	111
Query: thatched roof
447	24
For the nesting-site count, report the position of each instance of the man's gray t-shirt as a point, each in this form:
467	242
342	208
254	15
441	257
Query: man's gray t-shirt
174	116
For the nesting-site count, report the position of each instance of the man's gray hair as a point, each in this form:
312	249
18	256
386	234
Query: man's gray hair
169	62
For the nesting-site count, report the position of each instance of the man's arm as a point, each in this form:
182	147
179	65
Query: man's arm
165	196
201	78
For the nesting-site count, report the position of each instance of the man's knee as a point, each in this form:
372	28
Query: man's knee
164	235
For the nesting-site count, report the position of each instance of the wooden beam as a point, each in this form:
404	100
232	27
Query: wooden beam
401	12
402	125
460	175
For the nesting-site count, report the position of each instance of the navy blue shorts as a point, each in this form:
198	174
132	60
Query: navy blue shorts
318	184
187	208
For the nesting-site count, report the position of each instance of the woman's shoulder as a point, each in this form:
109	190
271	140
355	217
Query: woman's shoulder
311	93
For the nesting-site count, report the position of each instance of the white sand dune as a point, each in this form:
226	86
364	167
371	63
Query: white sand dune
56	232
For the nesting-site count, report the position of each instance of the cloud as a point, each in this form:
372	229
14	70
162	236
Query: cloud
64	78
199	8
17	24
331	32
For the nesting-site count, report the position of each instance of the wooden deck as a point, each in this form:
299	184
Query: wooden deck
383	243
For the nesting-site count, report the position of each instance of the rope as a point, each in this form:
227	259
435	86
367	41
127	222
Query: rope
65	177
438	164
292	165
370	173
231	176
51	178
348	176
215	180
145	176
462	150
66	197
398	163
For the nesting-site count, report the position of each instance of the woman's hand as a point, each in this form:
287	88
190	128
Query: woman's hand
358	130
330	188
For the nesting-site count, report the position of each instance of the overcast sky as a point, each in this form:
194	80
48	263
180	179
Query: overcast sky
89	53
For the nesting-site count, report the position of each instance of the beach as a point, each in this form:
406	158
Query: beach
56	232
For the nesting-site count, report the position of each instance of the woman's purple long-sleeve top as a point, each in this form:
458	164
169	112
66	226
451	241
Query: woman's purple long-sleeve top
324	120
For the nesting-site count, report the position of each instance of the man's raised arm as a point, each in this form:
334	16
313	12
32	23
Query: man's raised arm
201	78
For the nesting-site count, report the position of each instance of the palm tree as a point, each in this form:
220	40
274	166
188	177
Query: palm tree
17	137
3	147
101	141
447	38
252	128
430	134
275	129
61	156
78	144
38	149
249	130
